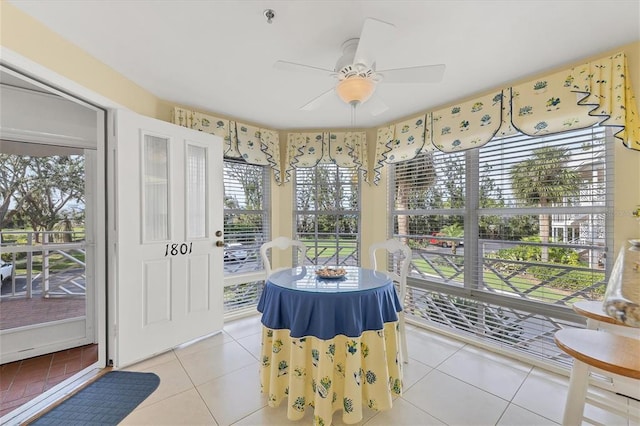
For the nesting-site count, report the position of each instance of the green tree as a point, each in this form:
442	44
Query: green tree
490	197
13	172
243	197
249	179
409	194
49	185
544	180
453	231
454	181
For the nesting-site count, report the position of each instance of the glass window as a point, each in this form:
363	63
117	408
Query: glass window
327	214
506	237
246	215
541	220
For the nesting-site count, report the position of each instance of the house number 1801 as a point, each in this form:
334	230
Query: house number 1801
175	249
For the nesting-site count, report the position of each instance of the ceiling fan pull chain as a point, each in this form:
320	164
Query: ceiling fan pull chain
353	114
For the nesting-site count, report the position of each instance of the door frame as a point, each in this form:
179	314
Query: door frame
73	127
72	91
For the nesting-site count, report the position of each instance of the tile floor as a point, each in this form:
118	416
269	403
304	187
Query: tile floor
447	382
22	381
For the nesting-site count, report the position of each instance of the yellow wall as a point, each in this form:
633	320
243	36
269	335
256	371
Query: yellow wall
28	38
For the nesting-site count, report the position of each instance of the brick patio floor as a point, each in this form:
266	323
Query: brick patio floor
21	381
20	312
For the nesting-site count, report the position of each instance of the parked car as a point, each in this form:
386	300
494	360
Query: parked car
437	241
443	243
233	252
5	271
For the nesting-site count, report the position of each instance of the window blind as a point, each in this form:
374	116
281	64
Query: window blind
246	215
327	213
507	236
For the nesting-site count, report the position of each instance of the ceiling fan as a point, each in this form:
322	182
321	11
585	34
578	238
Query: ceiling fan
356	70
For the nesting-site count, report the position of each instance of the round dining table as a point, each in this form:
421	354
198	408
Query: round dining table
330	343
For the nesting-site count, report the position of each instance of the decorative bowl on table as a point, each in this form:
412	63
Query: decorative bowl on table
331	273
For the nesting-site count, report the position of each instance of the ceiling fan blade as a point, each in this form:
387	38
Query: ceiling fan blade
374	36
317	101
419	74
376	106
293	66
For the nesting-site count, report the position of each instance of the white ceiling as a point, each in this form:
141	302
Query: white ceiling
218	56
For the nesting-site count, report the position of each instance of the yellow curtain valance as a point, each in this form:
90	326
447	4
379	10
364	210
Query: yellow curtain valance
346	149
468	124
580	97
399	142
592	93
605	85
253	144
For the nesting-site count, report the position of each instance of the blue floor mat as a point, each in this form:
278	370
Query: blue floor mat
106	401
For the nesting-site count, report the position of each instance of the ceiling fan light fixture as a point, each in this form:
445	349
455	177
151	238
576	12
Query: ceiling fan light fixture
355	90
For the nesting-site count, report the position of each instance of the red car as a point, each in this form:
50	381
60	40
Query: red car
438	242
442	243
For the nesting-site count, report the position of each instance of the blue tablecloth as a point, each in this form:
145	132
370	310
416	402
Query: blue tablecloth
295	299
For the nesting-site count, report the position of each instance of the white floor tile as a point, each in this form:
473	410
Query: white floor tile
173	380
253	344
270	416
430	348
181	409
518	416
403	414
243	327
455	402
491	372
234	396
208	364
412	372
543	393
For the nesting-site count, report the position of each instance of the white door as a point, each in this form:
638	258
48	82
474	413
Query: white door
168	219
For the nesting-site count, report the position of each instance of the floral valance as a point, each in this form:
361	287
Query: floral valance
592	93
399	142
253	144
605	85
468	124
346	149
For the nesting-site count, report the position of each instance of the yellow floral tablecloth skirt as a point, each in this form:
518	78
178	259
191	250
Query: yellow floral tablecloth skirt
343	373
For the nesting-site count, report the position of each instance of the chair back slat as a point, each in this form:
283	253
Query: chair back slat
281	243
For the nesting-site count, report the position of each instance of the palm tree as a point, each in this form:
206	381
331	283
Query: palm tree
453	231
544	180
407	174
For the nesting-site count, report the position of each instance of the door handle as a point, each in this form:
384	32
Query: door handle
219	243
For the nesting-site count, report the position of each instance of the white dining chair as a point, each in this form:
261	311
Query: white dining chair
398	273
281	243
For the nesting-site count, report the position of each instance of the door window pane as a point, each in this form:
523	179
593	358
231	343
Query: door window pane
196	191
156	189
